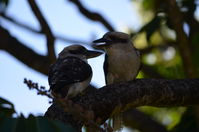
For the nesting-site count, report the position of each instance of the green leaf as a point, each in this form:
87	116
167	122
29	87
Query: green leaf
7	124
188	123
6	107
3	101
148	4
52	126
63	127
33	124
24	125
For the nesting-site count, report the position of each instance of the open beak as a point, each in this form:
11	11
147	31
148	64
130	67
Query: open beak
101	43
92	54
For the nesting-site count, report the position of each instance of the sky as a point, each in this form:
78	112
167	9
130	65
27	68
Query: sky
64	19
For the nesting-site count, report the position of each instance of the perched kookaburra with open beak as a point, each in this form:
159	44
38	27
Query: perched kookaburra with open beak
70	75
122	61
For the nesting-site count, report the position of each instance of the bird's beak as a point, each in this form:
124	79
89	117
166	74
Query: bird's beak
101	43
92	54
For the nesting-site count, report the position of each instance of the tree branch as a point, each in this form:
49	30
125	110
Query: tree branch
22	52
16	22
92	15
29	28
190	18
176	18
45	29
140	92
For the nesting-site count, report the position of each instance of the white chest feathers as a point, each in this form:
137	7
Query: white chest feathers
123	64
78	88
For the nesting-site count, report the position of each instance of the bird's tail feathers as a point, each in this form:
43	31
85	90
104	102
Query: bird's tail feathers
117	123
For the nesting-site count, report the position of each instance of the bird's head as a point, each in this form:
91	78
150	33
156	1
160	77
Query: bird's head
78	51
111	39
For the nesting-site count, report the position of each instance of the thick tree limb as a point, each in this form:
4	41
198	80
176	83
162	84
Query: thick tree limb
176	18
92	15
140	92
22	52
45	28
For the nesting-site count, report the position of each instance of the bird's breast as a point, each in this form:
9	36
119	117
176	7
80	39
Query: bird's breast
123	66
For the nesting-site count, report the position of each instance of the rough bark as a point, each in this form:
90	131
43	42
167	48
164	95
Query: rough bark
140	92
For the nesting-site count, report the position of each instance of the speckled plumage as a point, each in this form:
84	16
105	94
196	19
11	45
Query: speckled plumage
68	71
71	74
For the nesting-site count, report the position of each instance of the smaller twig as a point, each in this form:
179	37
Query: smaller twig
69	40
29	28
92	15
40	90
16	22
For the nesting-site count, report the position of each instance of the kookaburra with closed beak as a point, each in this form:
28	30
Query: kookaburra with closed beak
122	60
70	75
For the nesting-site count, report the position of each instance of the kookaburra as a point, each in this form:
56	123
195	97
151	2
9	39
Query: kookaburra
70	75
122	60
